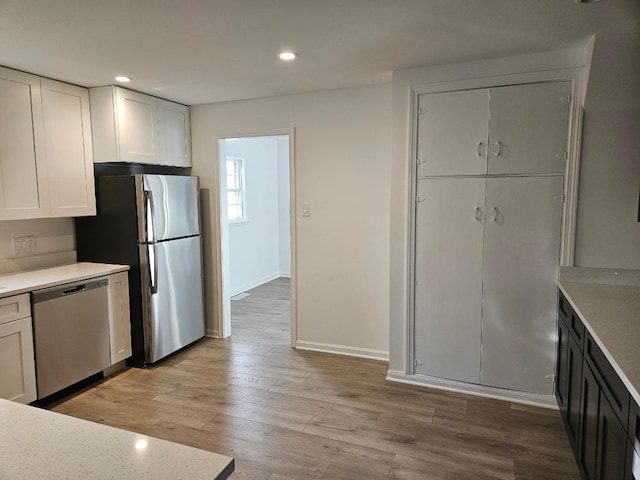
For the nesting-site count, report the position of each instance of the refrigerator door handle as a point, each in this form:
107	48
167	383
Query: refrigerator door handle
152	252
150	215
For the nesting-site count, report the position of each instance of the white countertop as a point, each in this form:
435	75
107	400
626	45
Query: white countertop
17	283
610	311
37	443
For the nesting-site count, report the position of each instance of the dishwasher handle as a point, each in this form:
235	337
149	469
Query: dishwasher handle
76	289
67	289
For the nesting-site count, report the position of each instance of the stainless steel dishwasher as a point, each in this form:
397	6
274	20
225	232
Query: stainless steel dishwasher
70	333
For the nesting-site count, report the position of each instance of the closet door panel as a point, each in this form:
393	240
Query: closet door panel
528	128
448	277
452	133
521	258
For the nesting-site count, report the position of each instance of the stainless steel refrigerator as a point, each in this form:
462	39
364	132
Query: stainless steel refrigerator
151	222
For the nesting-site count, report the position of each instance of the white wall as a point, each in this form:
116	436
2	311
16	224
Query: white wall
284	262
608	231
403	80
343	146
254	245
55	243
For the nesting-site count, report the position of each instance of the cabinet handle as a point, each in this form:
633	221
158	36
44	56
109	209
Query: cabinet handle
480	148
499	151
477	214
494	214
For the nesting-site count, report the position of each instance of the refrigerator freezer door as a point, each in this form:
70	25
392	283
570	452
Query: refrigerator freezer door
170	207
173	315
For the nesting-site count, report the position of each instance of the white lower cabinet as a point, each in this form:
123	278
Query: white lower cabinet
119	318
449	232
486	264
17	366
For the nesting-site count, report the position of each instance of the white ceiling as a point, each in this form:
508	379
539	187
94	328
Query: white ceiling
200	51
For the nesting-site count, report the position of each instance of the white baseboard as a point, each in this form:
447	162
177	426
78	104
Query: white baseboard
537	400
254	284
343	350
285	274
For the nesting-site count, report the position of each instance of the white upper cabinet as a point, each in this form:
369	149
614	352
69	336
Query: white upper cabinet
67	131
23	172
452	133
132	127
528	128
175	134
518	129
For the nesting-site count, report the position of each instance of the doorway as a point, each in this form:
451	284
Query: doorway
256	234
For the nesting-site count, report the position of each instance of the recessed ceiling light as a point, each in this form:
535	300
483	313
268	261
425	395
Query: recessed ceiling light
288	56
123	79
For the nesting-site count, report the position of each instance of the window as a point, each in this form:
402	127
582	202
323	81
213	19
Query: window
236	208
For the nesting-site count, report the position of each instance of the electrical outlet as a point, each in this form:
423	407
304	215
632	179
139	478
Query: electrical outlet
23	245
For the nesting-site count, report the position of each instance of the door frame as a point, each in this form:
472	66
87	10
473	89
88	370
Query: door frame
222	320
569	212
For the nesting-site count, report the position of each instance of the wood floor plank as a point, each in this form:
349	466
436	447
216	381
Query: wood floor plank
287	414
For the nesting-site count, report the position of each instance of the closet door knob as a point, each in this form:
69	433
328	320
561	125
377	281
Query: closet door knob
494	214
477	214
480	149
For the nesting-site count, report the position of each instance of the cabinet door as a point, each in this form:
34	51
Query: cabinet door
528	128
175	134
452	133
17	369
590	406
119	318
521	258
137	127
574	391
612	443
23	186
67	130
633	464
561	367
448	277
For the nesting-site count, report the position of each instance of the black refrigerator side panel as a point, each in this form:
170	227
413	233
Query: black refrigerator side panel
112	237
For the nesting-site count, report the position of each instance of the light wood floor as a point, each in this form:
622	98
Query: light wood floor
287	414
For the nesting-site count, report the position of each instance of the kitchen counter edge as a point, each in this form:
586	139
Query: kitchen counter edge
24	282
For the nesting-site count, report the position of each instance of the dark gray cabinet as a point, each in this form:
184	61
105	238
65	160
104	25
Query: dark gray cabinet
569	382
594	403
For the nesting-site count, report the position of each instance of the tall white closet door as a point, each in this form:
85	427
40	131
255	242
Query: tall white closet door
521	258
453	132
528	128
448	277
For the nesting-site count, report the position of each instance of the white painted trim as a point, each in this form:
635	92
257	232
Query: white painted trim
537	400
343	350
254	283
284	274
222	320
571	178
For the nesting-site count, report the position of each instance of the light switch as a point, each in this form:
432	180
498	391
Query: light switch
306	210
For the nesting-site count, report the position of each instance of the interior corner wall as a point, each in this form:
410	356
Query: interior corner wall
342	157
402	82
608	227
254	245
608	230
